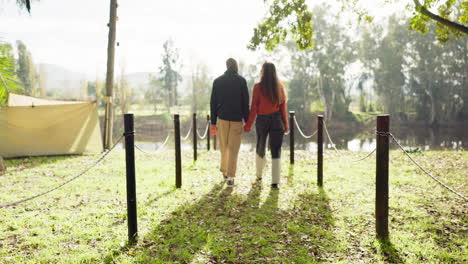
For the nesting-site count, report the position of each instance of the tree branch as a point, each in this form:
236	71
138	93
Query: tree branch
423	10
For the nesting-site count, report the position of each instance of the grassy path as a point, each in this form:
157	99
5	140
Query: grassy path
207	222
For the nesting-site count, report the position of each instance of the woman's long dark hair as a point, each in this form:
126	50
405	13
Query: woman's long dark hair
270	86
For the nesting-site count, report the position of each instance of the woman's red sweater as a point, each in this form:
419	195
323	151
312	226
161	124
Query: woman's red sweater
262	106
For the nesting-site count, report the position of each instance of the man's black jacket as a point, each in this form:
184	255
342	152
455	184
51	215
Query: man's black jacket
229	98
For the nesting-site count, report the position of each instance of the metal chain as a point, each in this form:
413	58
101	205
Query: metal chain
420	167
66	182
188	133
300	130
157	150
204	133
328	135
365	157
341	155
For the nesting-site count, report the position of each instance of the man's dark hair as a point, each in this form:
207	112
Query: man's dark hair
231	64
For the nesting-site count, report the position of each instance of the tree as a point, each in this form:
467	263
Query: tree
438	79
293	17
319	73
8	79
154	94
26	70
97	88
412	73
251	73
43	81
25	4
201	85
169	75
302	90
123	92
389	72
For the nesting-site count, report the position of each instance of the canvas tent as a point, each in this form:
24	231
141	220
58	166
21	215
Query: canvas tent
34	127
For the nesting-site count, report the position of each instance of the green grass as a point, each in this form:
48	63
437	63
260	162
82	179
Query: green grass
207	222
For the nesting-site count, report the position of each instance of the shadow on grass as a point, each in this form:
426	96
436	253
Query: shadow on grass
159	196
389	253
222	227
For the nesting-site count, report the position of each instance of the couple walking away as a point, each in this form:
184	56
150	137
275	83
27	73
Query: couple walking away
230	116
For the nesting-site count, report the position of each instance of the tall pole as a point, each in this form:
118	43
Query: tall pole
110	74
381	184
208	133
195	143
130	168
178	156
320	150
291	137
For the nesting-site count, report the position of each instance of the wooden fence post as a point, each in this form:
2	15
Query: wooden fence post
178	157
208	133
381	192
320	150
291	137
131	185
195	135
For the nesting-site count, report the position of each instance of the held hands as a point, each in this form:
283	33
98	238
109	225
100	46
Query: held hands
246	128
213	130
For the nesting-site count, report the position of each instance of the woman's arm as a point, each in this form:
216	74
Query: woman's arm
284	114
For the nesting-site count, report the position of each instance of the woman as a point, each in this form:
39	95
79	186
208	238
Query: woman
269	107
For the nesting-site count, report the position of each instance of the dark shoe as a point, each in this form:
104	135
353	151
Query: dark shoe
225	177
230	182
274	186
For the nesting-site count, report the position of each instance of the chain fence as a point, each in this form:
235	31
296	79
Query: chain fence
65	182
204	133
188	133
301	132
421	167
339	154
158	149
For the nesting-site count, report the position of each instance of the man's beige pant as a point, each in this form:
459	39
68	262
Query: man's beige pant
229	135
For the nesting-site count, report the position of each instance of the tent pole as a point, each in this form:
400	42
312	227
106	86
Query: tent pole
110	74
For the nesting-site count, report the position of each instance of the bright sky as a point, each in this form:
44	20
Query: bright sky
73	34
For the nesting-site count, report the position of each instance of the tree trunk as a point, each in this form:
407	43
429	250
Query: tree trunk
322	95
423	10
432	116
330	105
464	111
110	74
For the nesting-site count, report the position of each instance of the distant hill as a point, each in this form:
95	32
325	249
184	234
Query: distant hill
62	83
139	79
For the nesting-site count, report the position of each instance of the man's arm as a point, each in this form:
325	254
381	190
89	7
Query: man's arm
245	101
213	105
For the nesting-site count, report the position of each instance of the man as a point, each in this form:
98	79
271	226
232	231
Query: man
229	107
